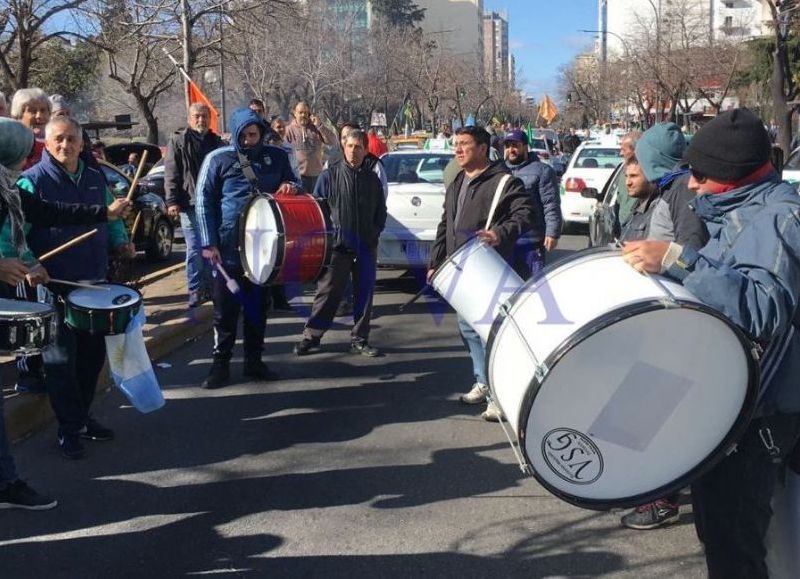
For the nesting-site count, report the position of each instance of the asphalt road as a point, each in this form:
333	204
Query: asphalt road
346	467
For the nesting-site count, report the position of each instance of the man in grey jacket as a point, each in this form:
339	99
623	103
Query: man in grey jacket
541	183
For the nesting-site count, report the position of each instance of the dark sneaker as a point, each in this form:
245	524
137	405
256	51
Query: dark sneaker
651	515
364	349
218	375
344	309
18	495
71	447
96	431
30	383
305	346
258	370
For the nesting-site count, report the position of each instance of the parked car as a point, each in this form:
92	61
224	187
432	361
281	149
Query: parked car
414	205
791	169
590	167
155	233
117	155
153	182
604	219
548	153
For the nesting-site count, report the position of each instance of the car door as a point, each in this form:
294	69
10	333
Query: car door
605	217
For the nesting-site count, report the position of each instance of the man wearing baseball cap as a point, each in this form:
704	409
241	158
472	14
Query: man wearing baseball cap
541	184
750	272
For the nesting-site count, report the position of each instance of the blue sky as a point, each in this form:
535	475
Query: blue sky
543	35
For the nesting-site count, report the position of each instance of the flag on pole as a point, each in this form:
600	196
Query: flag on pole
548	110
197	96
529	132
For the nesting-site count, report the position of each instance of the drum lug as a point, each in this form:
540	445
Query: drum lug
540	372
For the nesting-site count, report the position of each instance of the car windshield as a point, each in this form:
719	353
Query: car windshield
422	168
793	162
597	158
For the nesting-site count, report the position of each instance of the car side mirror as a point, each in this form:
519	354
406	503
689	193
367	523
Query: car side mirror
778	158
590	193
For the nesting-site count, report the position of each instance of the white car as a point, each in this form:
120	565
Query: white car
791	169
414	205
591	166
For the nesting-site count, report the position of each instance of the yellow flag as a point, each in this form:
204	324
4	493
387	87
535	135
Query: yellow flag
548	110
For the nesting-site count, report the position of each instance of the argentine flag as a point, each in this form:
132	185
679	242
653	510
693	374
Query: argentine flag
131	369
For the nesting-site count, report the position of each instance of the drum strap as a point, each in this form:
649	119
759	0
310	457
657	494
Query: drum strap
250	175
496	199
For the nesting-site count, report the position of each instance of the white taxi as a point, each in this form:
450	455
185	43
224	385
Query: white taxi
591	166
414	206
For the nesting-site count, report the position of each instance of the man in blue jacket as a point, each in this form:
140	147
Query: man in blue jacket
541	183
223	190
749	271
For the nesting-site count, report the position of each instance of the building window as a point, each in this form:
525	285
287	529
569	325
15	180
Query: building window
728	22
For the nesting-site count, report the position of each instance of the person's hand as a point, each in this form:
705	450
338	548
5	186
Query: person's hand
315	120
287	189
12	270
211	253
429	277
37	275
119	208
645	256
488	237
127	250
173	211
550	243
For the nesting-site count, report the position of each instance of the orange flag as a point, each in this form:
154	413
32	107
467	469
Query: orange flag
197	96
548	110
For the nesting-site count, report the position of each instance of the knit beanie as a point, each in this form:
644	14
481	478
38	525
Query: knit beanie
659	150
730	147
16	142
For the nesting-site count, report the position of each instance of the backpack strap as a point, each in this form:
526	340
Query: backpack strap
496	199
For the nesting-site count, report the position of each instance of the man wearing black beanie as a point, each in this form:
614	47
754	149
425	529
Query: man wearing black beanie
749	271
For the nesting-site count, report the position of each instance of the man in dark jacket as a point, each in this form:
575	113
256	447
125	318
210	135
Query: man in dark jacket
223	190
541	183
750	272
354	196
661	212
466	208
185	153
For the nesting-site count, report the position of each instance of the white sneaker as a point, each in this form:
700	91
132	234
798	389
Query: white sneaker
476	395
493	413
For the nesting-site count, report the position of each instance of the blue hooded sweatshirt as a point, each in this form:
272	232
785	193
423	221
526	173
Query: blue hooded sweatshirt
223	190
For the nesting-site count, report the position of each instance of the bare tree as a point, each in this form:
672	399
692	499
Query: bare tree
784	86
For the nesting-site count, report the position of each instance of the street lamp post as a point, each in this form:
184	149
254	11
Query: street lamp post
222	67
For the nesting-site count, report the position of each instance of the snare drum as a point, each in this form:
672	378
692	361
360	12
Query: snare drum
25	327
102	312
475	281
620	387
284	238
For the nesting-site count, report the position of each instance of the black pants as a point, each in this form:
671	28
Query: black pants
330	289
732	502
254	302
71	371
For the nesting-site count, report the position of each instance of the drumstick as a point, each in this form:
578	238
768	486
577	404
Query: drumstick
76	284
229	281
416	297
67	245
135	224
138	174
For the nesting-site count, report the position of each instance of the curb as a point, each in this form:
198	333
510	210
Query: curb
27	414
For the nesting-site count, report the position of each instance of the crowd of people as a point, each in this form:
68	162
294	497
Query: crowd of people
713	215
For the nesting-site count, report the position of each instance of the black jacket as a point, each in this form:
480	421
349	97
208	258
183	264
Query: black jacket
185	153
666	216
354	198
515	213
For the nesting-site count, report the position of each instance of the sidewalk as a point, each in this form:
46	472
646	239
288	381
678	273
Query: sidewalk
168	327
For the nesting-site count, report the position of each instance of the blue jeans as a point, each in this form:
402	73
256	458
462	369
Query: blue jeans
476	349
8	471
197	273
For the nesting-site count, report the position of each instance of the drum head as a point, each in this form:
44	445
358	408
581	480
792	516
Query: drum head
260	247
638	405
21	309
118	297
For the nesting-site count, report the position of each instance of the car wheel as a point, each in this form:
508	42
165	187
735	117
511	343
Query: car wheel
160	246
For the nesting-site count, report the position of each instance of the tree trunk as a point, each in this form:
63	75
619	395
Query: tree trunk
783	113
188	56
149	117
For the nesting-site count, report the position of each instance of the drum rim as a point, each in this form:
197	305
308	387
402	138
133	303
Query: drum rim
273	204
608	319
77	307
47	311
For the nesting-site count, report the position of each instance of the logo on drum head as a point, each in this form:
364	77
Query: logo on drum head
572	456
121	299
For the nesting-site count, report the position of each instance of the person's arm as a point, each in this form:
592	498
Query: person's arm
208	202
328	136
381	212
322	189
758	292
514	215
551	202
173	174
439	247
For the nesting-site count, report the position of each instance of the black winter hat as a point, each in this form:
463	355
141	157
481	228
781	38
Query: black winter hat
730	147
